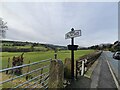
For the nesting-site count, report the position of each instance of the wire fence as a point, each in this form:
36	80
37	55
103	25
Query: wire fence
34	75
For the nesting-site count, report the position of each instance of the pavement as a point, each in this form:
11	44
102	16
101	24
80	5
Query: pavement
101	76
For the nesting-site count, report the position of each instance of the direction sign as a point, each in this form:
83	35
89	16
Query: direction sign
72	47
71	34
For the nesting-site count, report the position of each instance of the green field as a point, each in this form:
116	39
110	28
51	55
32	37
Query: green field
33	57
37	56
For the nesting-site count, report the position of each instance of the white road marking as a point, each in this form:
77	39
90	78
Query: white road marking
116	82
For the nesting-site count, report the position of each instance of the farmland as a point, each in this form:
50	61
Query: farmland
34	57
33	52
18	46
37	56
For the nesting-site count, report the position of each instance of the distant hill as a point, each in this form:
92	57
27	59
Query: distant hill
19	46
108	46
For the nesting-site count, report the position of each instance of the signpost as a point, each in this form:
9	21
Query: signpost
73	33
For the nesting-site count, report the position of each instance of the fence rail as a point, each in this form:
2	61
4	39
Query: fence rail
39	80
83	64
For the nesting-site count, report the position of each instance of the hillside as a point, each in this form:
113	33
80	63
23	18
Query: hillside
108	46
18	46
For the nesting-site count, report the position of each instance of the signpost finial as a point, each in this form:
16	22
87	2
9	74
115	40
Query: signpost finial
72	29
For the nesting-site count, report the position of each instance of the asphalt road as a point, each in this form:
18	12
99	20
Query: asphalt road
115	64
103	76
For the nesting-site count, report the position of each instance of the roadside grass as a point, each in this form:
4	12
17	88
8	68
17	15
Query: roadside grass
15	82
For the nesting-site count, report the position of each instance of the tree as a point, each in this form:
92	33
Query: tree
3	28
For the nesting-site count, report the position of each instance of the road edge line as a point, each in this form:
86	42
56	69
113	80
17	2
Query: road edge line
95	79
113	75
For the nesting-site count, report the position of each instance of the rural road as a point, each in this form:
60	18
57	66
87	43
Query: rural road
115	64
105	74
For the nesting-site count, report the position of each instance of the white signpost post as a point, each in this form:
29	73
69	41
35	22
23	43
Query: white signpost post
73	33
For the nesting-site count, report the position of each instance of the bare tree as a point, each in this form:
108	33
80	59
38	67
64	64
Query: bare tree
3	28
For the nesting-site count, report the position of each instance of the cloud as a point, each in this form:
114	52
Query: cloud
48	22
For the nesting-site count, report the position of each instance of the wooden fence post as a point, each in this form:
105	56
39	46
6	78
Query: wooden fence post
56	75
82	71
41	72
28	69
8	65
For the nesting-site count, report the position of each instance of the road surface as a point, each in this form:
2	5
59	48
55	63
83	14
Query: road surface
115	64
105	74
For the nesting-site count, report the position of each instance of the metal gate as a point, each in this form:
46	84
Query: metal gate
35	75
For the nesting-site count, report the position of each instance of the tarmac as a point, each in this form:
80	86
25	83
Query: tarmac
97	77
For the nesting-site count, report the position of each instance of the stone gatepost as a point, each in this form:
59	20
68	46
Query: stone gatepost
56	76
67	68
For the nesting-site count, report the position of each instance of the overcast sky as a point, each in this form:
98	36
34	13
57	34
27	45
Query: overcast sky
49	22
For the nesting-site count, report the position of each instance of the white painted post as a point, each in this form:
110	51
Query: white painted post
82	71
85	66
